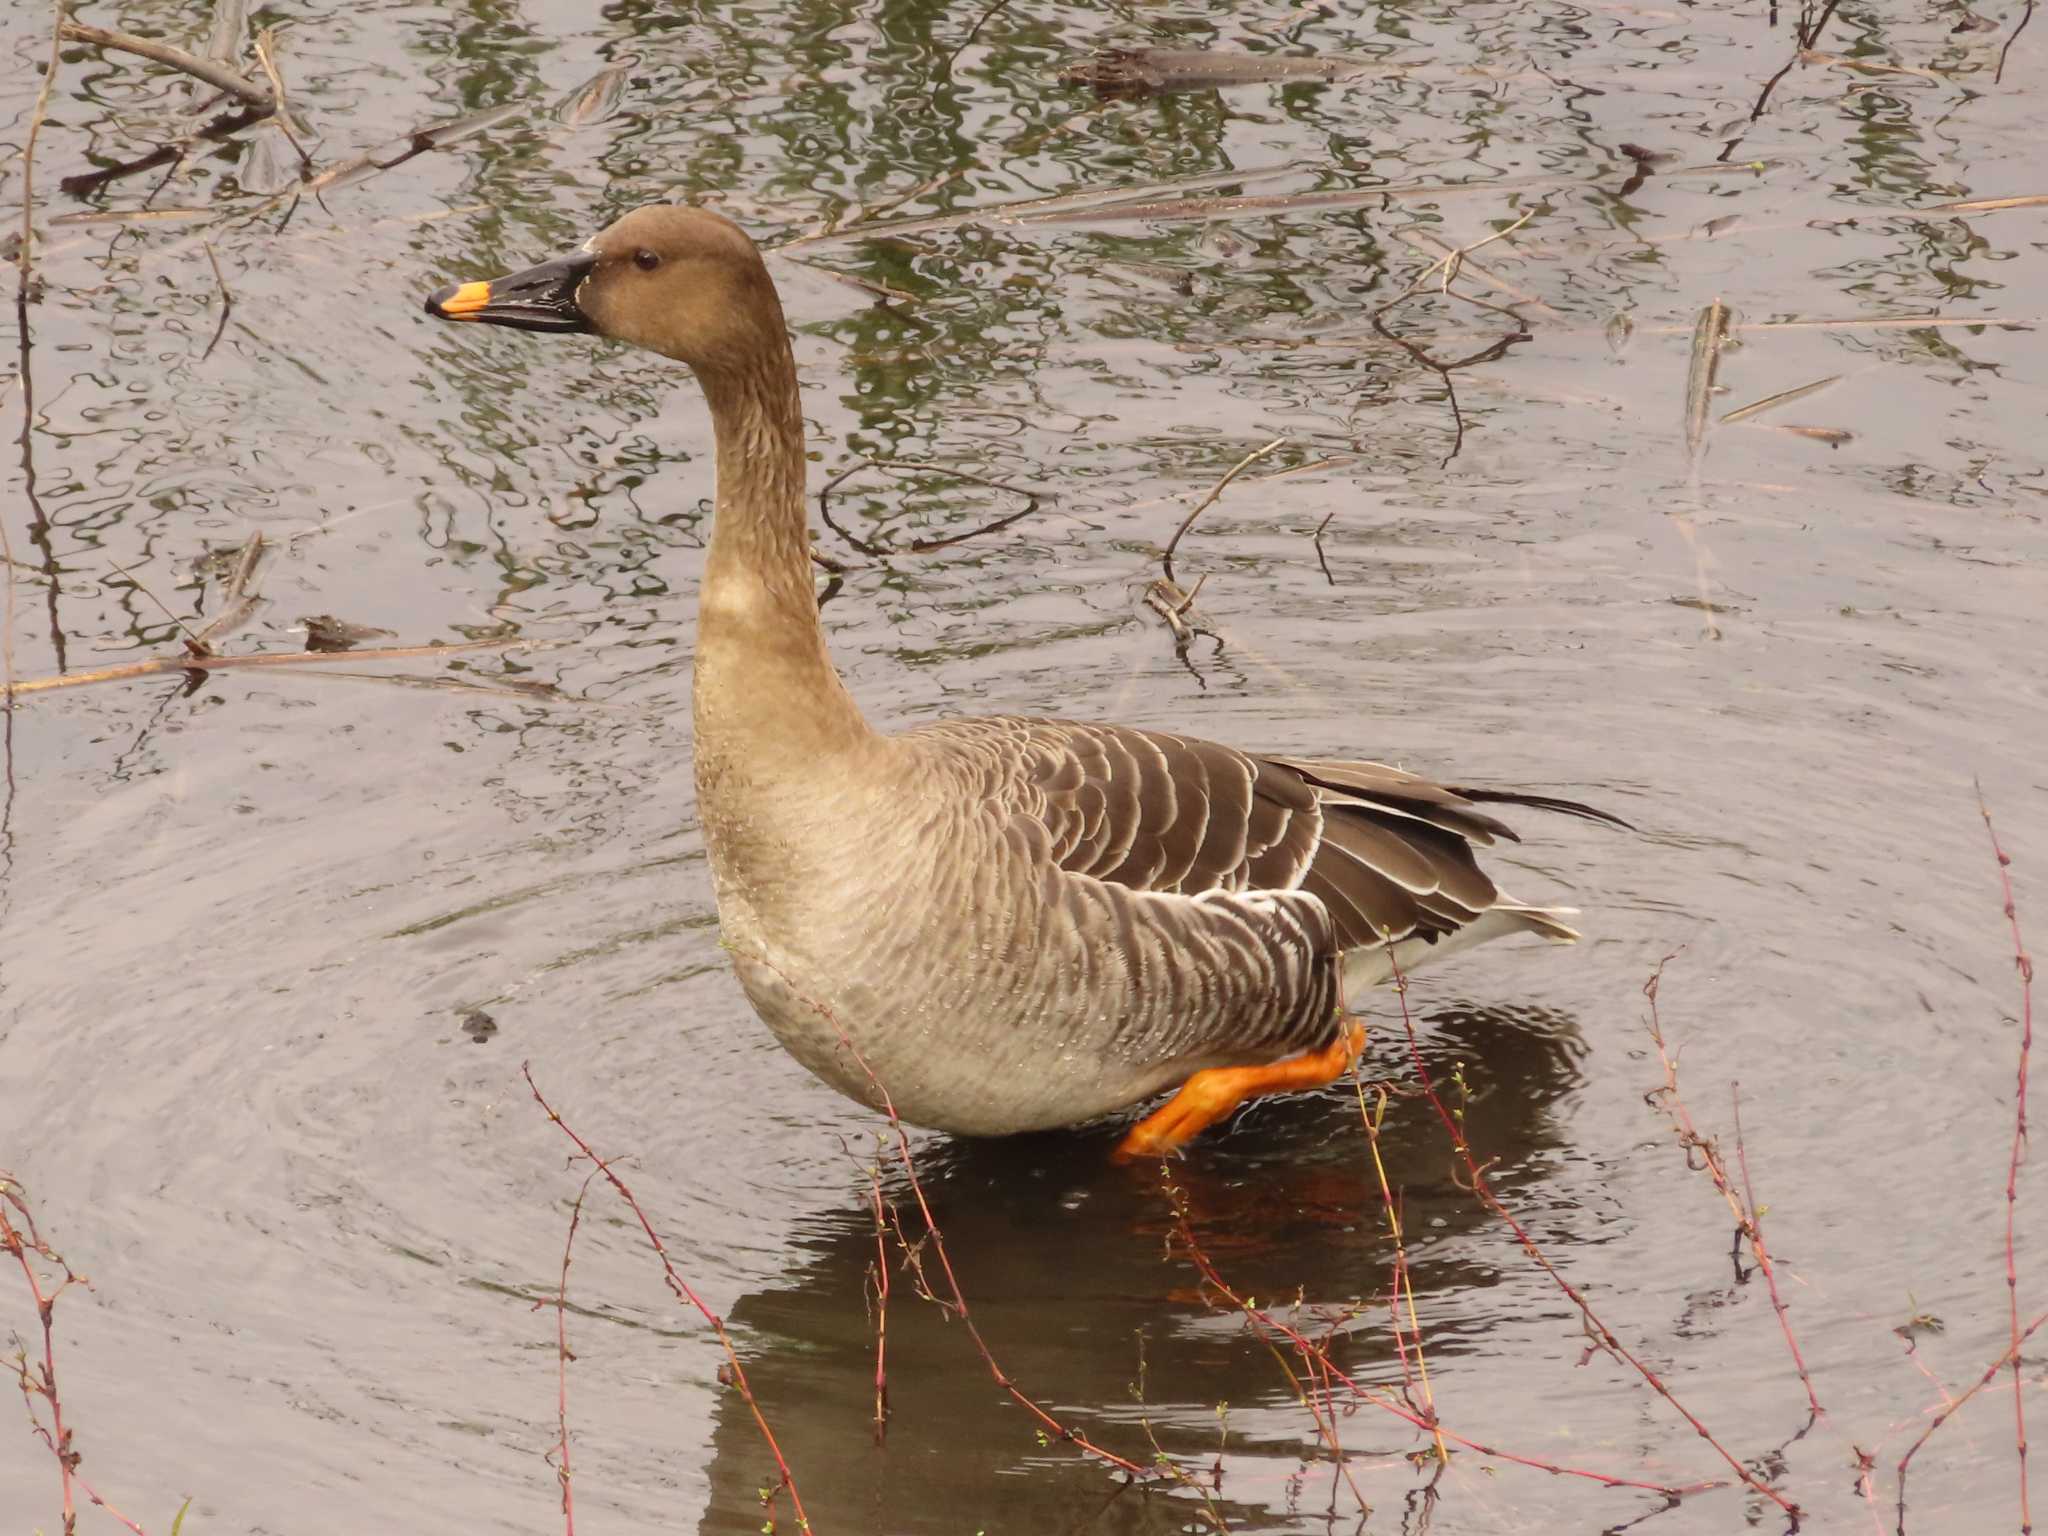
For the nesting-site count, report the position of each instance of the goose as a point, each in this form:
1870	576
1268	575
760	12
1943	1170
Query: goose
989	926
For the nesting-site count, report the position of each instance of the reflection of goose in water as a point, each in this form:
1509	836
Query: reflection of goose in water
1019	924
1063	1261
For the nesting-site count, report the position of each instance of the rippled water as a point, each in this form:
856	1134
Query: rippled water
246	927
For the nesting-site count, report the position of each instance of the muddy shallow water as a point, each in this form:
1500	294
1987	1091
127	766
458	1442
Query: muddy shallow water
247	928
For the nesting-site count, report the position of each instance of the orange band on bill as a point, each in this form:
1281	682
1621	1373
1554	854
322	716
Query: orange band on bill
467	299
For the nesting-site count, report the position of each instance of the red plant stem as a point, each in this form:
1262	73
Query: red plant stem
1265	1322
562	1358
1599	1329
1002	1379
2024	963
881	1305
13	1240
21	1241
1743	1207
2012	1352
1753	1230
680	1288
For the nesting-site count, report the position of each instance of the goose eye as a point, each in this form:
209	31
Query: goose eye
646	261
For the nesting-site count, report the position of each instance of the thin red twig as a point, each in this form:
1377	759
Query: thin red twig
1754	1232
20	1241
2012	1352
2024	963
680	1288
881	1303
958	1302
1597	1328
563	1357
1708	1150
1264	1323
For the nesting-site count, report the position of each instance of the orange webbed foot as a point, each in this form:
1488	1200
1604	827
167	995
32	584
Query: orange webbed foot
1214	1092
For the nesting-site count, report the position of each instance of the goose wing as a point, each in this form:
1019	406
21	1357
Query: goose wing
1388	854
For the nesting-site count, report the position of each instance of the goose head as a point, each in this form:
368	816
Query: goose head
680	281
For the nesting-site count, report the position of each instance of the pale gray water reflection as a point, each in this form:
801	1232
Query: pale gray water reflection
247	927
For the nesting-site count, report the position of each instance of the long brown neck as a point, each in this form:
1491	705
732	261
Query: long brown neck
766	694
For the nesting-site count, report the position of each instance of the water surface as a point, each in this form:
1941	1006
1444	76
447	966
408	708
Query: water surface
246	926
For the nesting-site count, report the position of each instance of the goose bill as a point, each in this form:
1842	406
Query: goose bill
541	298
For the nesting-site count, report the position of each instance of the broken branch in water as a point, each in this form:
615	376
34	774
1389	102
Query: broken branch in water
266	43
1448	265
219	76
236	602
1216	490
160	666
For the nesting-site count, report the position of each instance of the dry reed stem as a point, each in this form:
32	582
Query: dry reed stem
1742	1207
20	1240
1374	1118
1215	491
1598	1329
218	76
563	1357
958	1303
682	1290
1265	1325
158	666
2024	964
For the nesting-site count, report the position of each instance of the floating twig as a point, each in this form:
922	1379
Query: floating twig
236	601
158	666
1321	559
266	42
219	76
1709	334
1783	397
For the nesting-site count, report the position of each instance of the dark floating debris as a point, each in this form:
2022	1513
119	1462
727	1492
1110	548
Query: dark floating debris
324	632
1126	73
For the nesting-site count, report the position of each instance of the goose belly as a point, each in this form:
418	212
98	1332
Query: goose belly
993	1064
